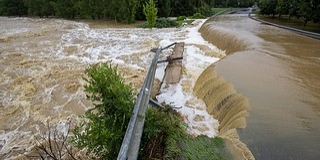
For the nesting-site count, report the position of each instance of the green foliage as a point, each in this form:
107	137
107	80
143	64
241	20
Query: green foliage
41	8
165	23
203	147
162	23
182	7
198	16
268	6
131	10
203	8
13	8
181	18
119	10
105	127
305	10
105	124
64	8
150	11
164	8
165	128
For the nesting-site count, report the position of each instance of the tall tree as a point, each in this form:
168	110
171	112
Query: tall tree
150	11
268	7
47	8
282	7
182	8
200	6
316	8
306	11
164	8
14	8
34	7
130	10
65	8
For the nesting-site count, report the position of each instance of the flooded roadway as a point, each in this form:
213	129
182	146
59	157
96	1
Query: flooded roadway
279	73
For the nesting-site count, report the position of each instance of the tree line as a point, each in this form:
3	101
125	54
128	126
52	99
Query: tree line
120	10
306	10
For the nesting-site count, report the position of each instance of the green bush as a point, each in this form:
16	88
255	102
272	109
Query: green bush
163	131
198	16
164	137
181	18
165	23
150	11
143	25
161	23
105	125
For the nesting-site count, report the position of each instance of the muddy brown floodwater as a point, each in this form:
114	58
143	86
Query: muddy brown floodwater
42	62
279	73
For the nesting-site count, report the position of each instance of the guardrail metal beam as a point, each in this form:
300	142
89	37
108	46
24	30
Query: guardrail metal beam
131	141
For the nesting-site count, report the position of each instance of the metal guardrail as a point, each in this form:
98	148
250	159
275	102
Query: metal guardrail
302	32
131	141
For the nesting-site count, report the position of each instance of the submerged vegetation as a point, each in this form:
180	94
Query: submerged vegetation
100	134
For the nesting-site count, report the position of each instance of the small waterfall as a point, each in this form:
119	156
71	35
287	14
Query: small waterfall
225	39
222	100
226	105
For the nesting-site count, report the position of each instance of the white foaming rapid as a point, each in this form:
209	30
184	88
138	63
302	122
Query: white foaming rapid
42	62
181	96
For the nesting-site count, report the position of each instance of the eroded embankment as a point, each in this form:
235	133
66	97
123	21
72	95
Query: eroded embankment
222	100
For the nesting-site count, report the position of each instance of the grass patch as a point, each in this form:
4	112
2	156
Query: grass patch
203	147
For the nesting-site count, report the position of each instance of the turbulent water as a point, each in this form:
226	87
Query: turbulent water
42	62
278	72
275	72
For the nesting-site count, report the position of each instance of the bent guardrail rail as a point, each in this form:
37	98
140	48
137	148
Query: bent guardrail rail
131	141
302	32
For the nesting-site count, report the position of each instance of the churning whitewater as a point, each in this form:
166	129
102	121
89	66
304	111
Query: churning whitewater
42	62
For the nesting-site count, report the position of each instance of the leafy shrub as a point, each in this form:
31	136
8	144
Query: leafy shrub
150	11
181	18
143	25
165	23
161	23
164	137
105	125
198	16
163	131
